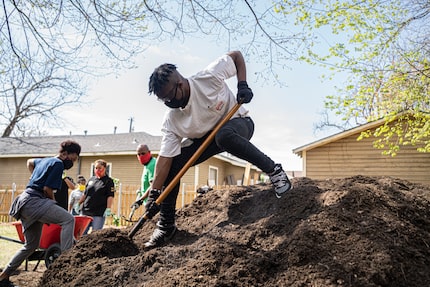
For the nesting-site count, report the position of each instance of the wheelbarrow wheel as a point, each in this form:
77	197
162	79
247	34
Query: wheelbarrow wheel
52	253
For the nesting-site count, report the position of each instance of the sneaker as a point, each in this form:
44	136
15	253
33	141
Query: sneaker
280	180
7	283
160	236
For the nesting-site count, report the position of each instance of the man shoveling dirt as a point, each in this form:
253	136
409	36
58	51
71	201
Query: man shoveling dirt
196	105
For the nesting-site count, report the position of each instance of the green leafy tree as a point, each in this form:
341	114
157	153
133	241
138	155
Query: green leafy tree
383	44
384	47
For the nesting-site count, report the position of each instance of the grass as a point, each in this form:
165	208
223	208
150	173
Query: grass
8	248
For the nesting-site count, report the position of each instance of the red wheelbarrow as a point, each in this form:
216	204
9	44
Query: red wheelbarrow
49	246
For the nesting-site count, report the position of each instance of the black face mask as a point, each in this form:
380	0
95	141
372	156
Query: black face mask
68	163
175	103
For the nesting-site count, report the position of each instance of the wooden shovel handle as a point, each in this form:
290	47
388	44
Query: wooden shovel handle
184	169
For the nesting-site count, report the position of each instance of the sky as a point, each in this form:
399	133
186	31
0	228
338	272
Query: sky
284	117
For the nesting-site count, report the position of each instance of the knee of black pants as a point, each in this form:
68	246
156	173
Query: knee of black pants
234	132
222	137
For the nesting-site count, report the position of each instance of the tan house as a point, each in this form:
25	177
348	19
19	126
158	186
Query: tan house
342	155
119	150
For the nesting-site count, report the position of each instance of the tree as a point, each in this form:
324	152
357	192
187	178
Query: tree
382	43
28	101
92	37
384	46
48	46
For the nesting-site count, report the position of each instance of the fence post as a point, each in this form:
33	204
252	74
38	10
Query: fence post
183	195
119	200
13	197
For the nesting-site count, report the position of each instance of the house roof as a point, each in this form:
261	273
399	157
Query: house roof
337	137
123	143
112	144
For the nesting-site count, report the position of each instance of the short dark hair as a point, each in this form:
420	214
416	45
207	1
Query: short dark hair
70	146
160	77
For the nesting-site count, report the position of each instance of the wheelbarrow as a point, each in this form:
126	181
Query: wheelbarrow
49	245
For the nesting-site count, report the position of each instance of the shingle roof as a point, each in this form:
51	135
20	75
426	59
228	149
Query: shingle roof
298	151
112	144
125	143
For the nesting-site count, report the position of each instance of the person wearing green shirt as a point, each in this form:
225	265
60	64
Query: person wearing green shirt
148	161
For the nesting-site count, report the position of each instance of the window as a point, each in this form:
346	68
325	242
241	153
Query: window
213	176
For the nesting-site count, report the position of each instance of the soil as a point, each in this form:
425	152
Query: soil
356	231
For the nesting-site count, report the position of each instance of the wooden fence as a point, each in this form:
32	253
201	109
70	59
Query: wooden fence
124	198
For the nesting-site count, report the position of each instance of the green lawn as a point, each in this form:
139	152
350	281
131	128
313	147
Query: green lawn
7	248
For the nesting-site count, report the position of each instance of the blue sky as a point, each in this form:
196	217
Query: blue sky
284	116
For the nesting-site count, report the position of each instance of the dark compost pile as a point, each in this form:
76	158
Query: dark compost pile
357	231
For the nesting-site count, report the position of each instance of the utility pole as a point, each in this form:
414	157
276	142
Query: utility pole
130	129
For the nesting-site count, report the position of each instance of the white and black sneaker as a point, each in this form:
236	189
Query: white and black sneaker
280	180
161	235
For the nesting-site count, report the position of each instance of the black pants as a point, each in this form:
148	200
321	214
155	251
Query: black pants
233	138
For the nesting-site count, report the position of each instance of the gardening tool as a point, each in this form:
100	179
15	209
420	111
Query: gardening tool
130	216
184	169
133	209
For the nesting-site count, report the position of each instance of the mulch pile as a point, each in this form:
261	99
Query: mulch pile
357	231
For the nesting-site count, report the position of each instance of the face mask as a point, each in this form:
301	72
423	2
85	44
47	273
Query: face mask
68	163
175	103
145	158
81	187
99	173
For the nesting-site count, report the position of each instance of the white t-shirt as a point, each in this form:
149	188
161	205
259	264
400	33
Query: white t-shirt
210	101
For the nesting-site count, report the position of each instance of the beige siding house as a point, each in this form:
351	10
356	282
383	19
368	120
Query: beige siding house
119	150
342	155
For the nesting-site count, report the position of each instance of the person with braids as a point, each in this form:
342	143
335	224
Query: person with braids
37	205
196	104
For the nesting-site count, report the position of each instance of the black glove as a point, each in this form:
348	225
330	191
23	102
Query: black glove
137	204
244	93
152	208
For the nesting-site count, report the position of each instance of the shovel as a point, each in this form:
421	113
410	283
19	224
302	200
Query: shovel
184	169
130	216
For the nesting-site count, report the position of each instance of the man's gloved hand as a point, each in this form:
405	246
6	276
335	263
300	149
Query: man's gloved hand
108	212
137	204
244	93
152	208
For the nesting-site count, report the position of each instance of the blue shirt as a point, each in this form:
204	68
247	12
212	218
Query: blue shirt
47	172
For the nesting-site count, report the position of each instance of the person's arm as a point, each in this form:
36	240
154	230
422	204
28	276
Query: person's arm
162	168
239	62
30	165
244	93
108	210
145	195
82	199
69	183
109	202
49	192
72	200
